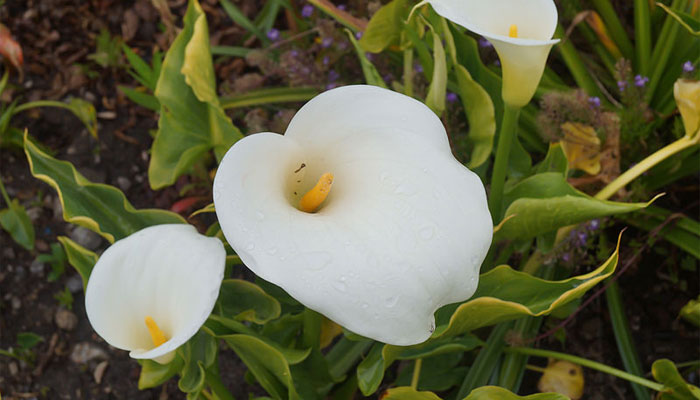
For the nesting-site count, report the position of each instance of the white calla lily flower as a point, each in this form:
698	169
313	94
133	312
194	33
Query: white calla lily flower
521	32
359	211
150	292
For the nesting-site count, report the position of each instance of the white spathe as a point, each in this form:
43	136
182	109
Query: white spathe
522	58
404	229
168	272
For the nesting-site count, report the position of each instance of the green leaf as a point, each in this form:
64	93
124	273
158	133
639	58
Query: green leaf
481	115
142	72
675	388
82	259
154	374
86	113
192	121
498	393
246	301
384	29
687	21
17	223
27	340
198	353
241	20
435	99
143	99
691	312
545	202
267	364
433	348
554	161
371	74
269	95
408	393
370	372
101	208
505	294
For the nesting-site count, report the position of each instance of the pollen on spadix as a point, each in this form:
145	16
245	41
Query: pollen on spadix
314	197
513	31
157	335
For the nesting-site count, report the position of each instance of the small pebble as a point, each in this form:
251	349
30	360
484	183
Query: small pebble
41	246
66	319
34	213
16	303
100	371
57	208
14	369
86	238
37	267
74	283
123	182
85	351
8	253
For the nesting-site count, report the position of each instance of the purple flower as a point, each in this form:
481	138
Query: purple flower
594	101
273	34
621	85
688	67
566	257
333	75
294	53
326	60
418	68
451	97
331	86
358	35
327	42
582	237
342	7
640	81
594	224
483	42
369	56
307	10
497	63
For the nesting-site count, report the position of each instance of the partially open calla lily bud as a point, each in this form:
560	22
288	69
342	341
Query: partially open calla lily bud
687	94
360	212
521	32
150	293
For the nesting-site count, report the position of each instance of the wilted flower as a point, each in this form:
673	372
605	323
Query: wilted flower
687	94
359	211
151	292
521	32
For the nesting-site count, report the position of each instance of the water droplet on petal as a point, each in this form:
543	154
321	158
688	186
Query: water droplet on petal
340	284
217	195
250	246
427	232
272	251
259	215
365	305
390	302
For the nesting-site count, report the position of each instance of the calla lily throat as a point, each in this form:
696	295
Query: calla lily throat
157	335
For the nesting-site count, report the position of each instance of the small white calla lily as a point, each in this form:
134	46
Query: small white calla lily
151	292
404	227
520	31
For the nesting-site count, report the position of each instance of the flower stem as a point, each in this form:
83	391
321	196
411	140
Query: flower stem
4	193
408	72
40	103
646	164
416	373
509	126
587	363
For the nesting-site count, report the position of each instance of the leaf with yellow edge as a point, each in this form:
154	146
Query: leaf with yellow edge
675	388
505	294
329	331
498	393
82	259
687	21
581	146
562	377
209	208
408	393
98	207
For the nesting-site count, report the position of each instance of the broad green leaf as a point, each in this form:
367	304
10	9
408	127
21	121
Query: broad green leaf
16	222
498	393
481	115
435	99
408	393
545	202
384	29
241	20
269	95
192	121
554	161
246	301
154	374
86	113
505	294
143	99
675	388
687	21
370	372
265	363
371	74
691	312
101	208
27	340
82	259
198	354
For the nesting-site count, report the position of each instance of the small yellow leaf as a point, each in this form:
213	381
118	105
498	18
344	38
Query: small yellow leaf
581	146
329	330
562	377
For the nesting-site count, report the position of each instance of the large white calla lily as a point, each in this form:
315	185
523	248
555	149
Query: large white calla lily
520	31
151	292
403	229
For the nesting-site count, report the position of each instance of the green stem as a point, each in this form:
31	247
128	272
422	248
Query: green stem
4	193
623	337
642	35
416	373
615	28
485	361
40	103
646	164
507	134
662	51
217	386
408	72
587	363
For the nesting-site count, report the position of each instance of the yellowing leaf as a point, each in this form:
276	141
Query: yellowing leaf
329	331
562	377
582	147
597	24
687	94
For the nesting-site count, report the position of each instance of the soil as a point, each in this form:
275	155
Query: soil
58	38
